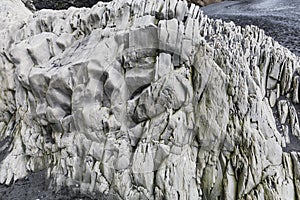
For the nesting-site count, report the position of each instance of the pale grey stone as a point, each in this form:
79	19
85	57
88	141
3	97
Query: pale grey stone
151	99
283	110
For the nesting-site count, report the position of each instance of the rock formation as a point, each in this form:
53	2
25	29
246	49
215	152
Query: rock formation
63	4
147	99
204	2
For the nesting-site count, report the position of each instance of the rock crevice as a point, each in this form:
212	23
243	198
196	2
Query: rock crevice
151	100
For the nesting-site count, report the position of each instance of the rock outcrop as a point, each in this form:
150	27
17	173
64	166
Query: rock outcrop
148	100
63	4
204	2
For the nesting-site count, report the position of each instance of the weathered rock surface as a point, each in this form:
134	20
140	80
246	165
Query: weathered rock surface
279	19
63	4
148	100
204	2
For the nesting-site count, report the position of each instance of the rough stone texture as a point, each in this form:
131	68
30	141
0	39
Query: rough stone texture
204	2
278	20
36	186
148	100
63	4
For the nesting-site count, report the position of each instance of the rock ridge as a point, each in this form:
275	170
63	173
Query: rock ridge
148	100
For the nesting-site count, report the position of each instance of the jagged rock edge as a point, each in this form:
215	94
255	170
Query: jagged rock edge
213	48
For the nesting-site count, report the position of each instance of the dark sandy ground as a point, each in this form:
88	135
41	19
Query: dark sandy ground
37	187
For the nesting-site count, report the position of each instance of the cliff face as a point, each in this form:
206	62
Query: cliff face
148	99
63	4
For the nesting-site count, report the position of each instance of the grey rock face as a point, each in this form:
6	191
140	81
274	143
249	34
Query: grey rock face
204	2
149	100
63	4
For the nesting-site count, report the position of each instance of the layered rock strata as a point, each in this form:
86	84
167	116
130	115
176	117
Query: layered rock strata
148	100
